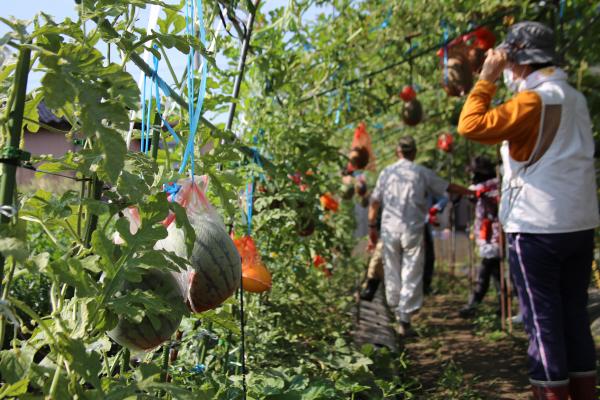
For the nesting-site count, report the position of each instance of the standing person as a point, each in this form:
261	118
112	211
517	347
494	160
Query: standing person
402	190
487	232
431	220
548	208
375	267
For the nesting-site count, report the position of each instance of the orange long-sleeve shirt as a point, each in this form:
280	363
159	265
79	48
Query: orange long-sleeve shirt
517	120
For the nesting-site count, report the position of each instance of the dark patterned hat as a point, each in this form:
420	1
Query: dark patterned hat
529	43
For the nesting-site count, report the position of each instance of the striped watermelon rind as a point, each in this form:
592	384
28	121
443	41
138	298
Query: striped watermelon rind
216	263
153	330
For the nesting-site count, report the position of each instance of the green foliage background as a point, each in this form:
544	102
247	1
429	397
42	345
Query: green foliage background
301	72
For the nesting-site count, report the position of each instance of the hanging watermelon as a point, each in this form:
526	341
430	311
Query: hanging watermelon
347	191
256	278
305	221
476	57
154	329
457	77
408	93
361	186
445	142
214	267
361	156
412	112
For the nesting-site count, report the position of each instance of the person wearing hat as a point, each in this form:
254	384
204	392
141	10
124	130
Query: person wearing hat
487	232
548	207
402	190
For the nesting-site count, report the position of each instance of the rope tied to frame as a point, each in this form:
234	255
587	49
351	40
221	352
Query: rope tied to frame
192	10
147	109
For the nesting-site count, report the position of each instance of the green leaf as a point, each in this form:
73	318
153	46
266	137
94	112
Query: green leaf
95	207
73	274
113	153
14	364
103	246
31	112
86	363
13	247
16	389
57	90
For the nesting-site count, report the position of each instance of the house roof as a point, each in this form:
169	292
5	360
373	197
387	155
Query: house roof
47	117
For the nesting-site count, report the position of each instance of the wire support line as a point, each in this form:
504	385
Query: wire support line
31	167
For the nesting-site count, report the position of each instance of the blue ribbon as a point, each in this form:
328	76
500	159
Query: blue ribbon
146	124
171	189
338	114
199	368
143	129
385	23
194	111
561	11
249	198
157	96
147	109
445	27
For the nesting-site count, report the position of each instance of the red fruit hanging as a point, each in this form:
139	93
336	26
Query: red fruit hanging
408	94
445	142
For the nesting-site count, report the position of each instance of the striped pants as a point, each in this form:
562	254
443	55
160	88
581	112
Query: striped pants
552	273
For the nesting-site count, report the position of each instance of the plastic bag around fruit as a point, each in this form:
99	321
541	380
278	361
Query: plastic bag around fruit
361	143
256	278
329	203
214	269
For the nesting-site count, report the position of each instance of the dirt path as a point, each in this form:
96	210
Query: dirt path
455	358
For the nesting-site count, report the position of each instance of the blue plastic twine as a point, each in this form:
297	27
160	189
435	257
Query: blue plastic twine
157	96
249	197
146	111
171	189
194	111
445	26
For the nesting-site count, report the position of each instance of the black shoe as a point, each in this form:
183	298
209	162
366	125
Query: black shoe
468	311
369	292
404	329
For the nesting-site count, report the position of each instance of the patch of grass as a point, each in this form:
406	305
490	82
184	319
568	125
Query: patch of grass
452	385
444	283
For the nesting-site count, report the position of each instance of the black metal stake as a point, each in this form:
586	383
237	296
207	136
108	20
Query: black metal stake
241	66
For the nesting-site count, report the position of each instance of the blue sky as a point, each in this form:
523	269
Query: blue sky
60	9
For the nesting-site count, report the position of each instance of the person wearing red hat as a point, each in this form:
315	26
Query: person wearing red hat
548	208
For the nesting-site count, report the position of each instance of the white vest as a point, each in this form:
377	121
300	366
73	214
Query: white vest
555	190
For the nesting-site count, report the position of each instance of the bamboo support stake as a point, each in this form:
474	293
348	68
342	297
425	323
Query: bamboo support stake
503	311
8	180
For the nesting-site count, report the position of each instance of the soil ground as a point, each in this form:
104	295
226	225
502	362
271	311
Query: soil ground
455	358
